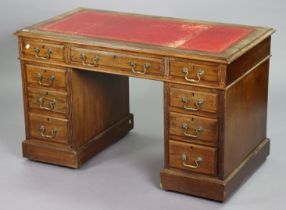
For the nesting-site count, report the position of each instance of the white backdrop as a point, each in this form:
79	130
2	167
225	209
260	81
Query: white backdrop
126	176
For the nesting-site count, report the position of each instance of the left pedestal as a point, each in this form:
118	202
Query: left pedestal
71	114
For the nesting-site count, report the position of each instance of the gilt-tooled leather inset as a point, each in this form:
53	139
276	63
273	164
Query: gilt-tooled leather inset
147	30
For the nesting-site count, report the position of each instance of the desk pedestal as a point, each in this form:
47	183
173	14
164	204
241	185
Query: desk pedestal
80	115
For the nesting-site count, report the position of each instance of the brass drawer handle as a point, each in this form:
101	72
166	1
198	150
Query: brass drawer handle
198	131
83	59
52	134
48	56
200	75
198	104
50	80
51	104
146	66
198	161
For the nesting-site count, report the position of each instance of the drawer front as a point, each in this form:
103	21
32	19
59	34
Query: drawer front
196	74
131	64
193	128
193	101
49	129
199	159
46	77
44	51
50	101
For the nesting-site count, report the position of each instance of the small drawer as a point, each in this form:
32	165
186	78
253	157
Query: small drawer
193	128
193	157
41	50
129	63
195	73
47	128
51	101
193	101
46	77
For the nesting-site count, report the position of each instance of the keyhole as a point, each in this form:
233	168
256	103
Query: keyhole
48	119
47	93
193	94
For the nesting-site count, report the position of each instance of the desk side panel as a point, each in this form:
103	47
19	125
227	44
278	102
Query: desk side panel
245	117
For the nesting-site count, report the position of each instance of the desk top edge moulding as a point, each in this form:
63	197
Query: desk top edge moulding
76	67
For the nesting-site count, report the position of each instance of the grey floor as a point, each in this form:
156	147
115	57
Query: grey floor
126	175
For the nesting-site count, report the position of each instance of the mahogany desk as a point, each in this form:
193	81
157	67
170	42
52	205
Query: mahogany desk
75	71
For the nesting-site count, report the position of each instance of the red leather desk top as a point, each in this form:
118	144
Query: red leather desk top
143	29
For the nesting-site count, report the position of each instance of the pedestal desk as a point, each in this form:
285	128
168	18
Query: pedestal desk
75	71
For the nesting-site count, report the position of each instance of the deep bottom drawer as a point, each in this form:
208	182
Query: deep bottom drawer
48	128
192	157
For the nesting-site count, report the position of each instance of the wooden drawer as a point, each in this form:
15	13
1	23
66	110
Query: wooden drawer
47	128
43	50
195	73
193	128
40	76
193	101
51	101
129	63
193	157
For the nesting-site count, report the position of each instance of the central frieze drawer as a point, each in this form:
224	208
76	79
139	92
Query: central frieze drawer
46	100
49	129
192	157
136	65
193	128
